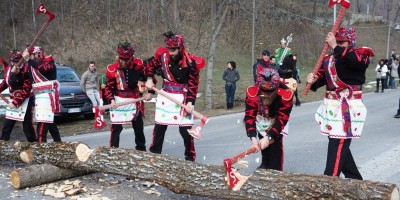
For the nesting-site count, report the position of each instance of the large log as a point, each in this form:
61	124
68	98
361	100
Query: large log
205	180
34	175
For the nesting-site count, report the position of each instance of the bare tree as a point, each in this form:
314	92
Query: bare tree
218	14
176	16
33	16
164	18
388	4
13	22
358	5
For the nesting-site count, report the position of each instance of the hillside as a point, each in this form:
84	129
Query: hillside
90	30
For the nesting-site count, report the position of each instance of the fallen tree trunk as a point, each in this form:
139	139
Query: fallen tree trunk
40	174
206	180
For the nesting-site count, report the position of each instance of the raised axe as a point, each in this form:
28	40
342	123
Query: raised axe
98	111
51	16
234	179
194	132
345	4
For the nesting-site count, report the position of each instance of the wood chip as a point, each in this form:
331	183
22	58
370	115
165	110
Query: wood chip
152	191
73	191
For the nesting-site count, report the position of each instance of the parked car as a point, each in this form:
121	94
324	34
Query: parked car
73	100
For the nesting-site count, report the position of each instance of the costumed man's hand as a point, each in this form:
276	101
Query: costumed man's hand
113	105
148	96
265	142
26	55
149	83
311	78
15	70
255	143
331	40
11	105
189	107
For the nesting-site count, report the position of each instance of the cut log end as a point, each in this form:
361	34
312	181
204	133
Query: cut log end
15	180
395	194
83	152
26	156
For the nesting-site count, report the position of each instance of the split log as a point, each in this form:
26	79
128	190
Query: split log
40	174
206	180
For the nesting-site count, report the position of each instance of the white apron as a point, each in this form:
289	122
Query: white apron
263	124
169	113
46	100
17	114
123	114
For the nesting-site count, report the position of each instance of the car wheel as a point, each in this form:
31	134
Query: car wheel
89	116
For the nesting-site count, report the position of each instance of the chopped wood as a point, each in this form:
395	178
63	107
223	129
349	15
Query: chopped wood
186	177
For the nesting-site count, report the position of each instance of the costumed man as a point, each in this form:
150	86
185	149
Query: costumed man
342	114
43	75
262	63
288	74
268	106
124	81
180	73
281	50
16	78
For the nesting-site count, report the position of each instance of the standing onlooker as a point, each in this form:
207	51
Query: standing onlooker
43	75
273	64
381	70
89	84
125	81
281	50
394	72
181	74
342	114
231	76
262	63
16	78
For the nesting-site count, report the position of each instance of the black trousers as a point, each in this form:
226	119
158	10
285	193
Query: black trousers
158	140
340	159
43	128
137	125
272	156
27	125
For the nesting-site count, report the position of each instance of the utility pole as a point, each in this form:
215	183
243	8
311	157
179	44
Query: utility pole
388	40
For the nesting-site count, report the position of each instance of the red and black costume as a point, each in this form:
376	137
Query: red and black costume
275	114
124	83
180	76
20	88
342	114
44	69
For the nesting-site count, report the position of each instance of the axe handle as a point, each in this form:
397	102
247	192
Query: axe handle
4	99
195	113
335	27
109	106
249	151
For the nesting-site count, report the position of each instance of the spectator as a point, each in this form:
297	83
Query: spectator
273	64
394	72
262	63
89	84
342	114
231	76
381	70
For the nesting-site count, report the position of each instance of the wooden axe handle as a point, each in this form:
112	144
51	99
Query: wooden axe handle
109	106
335	27
4	99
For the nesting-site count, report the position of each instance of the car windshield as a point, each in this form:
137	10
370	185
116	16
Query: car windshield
67	75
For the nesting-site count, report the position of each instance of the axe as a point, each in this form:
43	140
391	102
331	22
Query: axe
234	178
345	4
4	99
51	16
98	111
194	132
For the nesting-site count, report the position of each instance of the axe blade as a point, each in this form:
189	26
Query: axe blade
98	116
196	132
42	9
232	179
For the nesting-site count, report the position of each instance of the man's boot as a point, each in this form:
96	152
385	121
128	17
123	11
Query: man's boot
231	105
398	114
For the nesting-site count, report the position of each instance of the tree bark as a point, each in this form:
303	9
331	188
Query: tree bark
205	180
40	174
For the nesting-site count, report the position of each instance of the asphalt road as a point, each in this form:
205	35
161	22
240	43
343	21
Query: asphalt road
376	153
